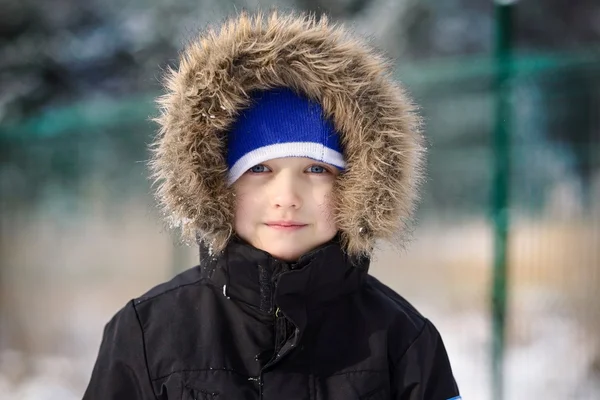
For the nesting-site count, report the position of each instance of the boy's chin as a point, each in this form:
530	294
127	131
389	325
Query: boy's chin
287	248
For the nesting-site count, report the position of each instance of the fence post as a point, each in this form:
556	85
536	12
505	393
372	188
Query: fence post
503	10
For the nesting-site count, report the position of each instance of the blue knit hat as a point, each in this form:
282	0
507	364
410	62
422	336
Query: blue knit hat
280	123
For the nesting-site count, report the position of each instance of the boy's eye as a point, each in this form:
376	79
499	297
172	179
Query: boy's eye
317	169
257	169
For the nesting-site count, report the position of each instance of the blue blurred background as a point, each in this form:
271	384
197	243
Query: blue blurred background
507	247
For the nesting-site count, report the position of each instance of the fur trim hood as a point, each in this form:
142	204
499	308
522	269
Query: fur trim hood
377	122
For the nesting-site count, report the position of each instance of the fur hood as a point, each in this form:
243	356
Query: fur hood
377	122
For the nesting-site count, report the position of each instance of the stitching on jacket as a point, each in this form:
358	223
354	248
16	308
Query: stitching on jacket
265	289
311	387
200	370
361	371
137	317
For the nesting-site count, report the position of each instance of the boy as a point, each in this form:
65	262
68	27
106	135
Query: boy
285	151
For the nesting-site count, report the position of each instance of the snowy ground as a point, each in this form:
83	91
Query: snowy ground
554	365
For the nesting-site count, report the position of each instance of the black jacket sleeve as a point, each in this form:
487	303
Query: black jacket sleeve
424	372
121	372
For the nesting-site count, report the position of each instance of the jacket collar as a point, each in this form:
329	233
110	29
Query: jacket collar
253	276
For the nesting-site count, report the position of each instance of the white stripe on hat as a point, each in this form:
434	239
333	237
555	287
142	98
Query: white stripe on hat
313	150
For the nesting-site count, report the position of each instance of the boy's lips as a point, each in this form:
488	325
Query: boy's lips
285	225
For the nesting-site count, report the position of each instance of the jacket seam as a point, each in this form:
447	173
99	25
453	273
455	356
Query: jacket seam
407	307
410	346
199	370
144	299
144	347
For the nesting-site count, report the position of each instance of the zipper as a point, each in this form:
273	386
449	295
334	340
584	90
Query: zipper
285	349
283	324
280	324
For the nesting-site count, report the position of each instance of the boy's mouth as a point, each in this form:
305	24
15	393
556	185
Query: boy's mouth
285	225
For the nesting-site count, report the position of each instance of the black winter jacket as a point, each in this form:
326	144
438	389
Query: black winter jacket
245	325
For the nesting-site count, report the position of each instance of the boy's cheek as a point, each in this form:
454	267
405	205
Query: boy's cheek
246	205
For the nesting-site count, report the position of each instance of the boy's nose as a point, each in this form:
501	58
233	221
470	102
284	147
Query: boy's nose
285	192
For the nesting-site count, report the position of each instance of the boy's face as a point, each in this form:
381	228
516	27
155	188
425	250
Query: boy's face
283	206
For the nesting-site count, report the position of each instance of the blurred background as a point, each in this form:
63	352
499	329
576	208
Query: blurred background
505	259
